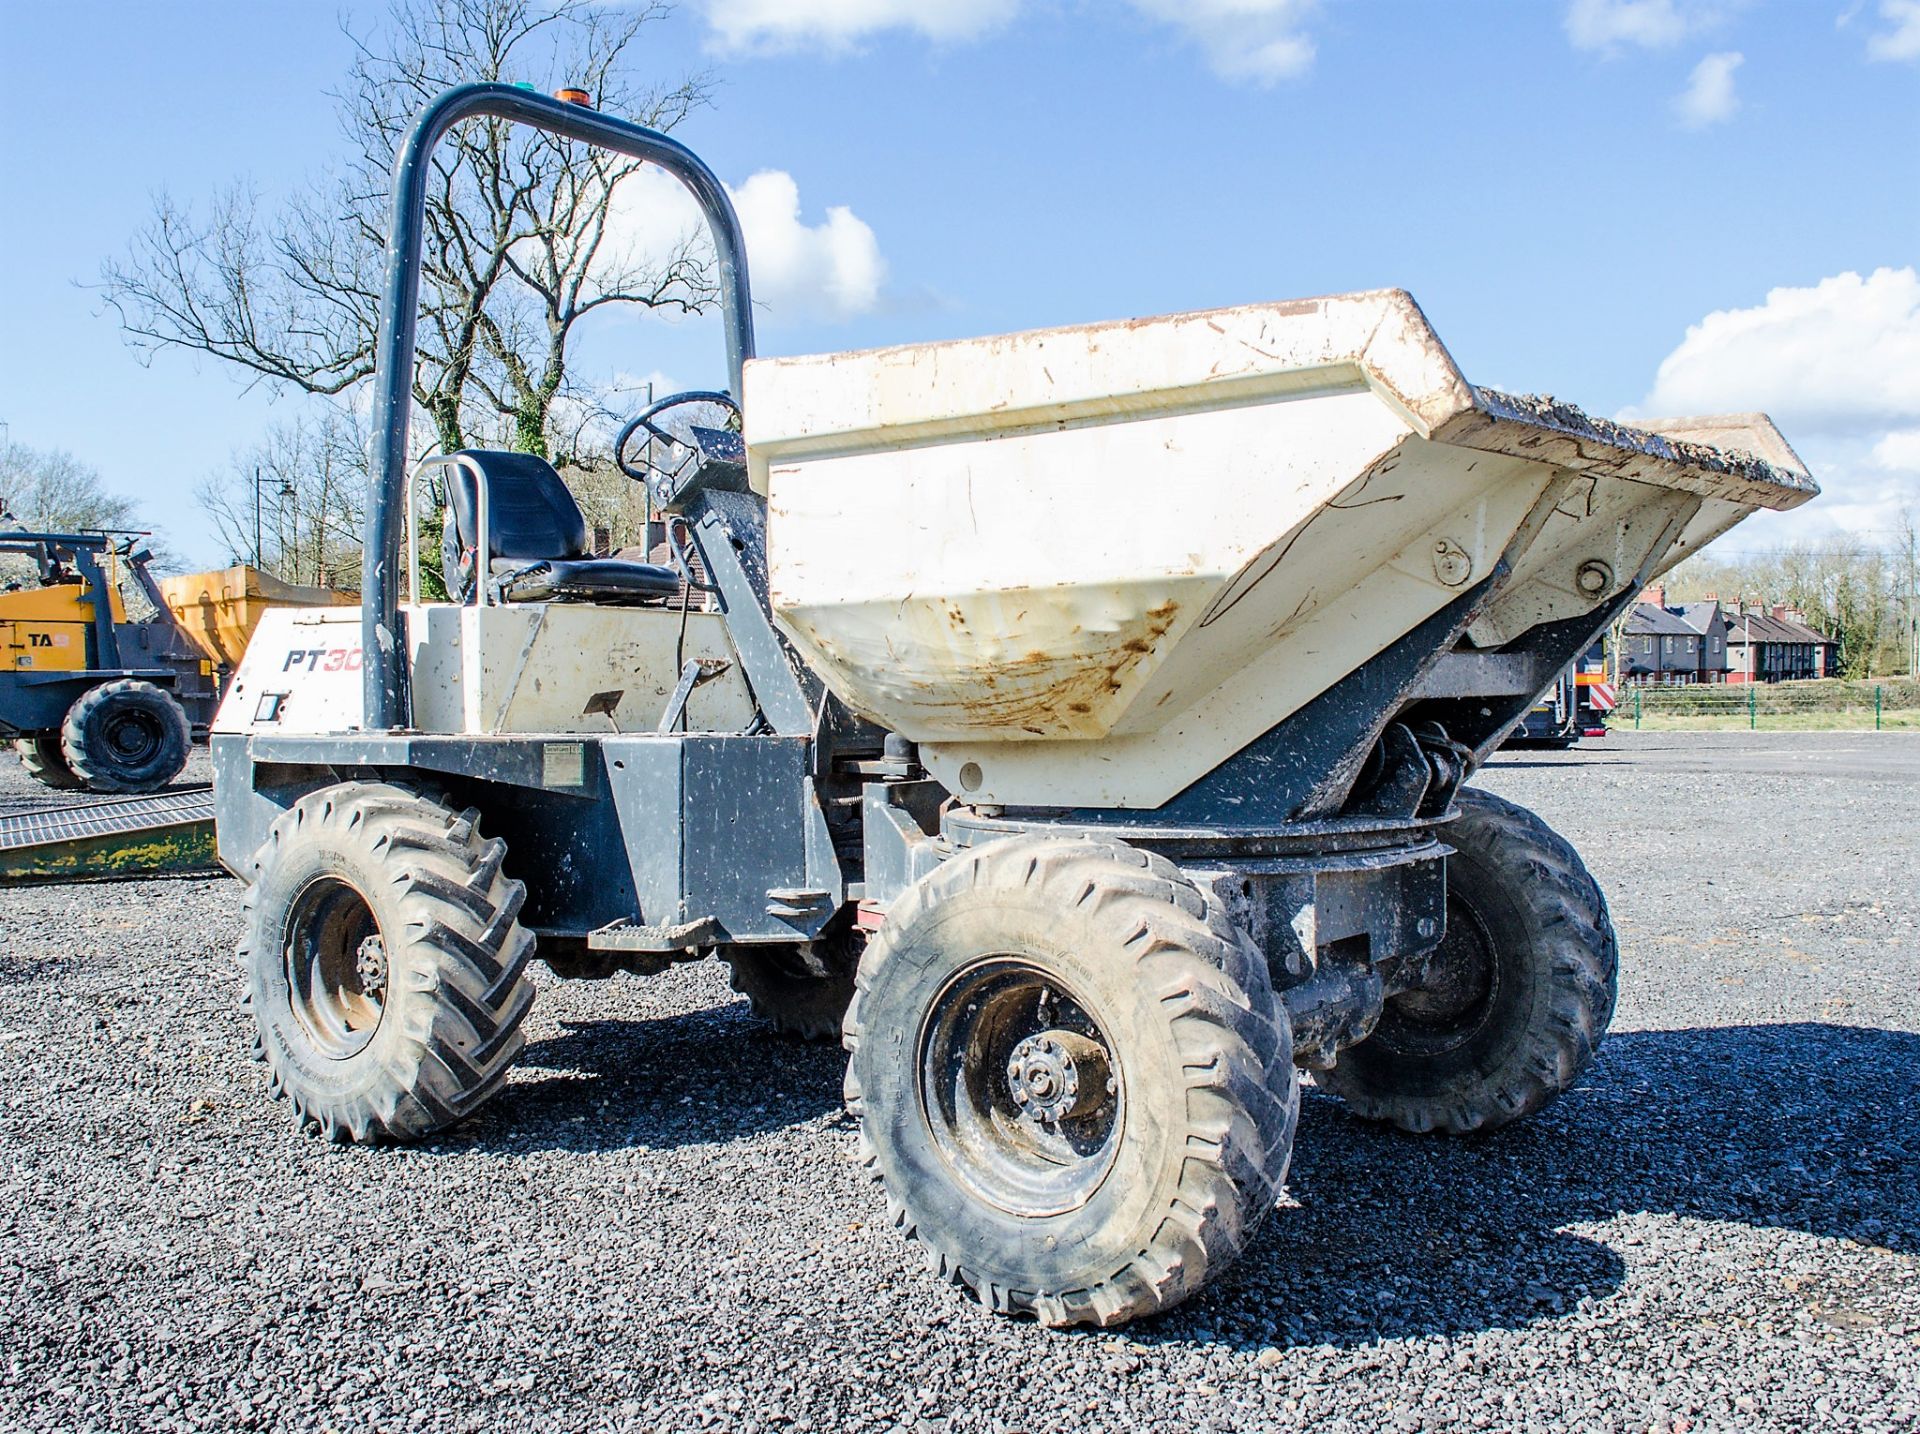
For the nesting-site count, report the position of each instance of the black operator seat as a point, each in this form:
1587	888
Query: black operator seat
537	535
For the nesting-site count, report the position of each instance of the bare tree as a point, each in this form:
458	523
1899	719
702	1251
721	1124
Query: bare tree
293	505
1845	588
518	248
51	491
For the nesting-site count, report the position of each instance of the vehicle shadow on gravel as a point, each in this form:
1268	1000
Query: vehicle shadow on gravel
1564	763
1805	1127
706	1076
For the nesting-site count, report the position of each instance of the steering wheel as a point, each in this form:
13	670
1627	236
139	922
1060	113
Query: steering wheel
645	422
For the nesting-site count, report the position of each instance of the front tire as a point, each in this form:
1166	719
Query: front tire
1518	996
386	970
126	736
1071	1078
46	763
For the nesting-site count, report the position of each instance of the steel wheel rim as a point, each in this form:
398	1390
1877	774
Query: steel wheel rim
1023	1092
1458	998
335	963
132	736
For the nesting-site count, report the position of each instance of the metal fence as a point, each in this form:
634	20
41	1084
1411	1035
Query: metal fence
1834	703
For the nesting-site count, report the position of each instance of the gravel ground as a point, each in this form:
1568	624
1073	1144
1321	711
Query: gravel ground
661	1226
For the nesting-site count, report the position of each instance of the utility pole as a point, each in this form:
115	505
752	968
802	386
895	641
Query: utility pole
1913	610
256	517
286	532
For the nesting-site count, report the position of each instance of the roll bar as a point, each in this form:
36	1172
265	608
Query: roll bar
384	660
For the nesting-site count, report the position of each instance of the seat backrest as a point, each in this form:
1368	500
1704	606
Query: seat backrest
530	513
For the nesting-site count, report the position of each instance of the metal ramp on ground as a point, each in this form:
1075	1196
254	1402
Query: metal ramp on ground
116	838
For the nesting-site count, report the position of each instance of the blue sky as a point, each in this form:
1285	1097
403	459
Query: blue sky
1565	187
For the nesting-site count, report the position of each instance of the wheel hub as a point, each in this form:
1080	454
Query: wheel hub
132	736
370	964
1054	1075
1022	1091
1458	978
336	967
1455	996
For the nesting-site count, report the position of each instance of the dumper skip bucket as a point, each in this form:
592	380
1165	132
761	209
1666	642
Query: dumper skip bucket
1082	567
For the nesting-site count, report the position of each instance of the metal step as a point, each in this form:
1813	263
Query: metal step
118	837
634	936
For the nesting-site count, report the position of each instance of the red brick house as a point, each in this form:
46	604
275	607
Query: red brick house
1776	645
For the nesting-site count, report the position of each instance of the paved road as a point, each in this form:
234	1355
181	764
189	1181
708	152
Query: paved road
661	1225
1871	756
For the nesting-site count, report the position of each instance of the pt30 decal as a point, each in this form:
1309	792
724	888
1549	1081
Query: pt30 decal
322	659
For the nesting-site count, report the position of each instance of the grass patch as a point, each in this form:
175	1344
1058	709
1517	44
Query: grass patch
1769	722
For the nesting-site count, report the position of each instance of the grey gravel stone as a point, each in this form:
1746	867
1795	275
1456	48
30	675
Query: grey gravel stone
661	1224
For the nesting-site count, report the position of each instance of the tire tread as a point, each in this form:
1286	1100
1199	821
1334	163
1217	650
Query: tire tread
47	764
1568	913
474	970
1241	1101
98	776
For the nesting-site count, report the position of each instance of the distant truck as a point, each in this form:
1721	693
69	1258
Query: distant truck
1575	705
1554	719
1593	693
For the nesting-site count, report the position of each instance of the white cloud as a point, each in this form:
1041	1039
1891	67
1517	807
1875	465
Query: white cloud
1899	452
1258	40
650	216
824	272
774	25
1612	25
830	270
1837	365
1709	98
1840	357
1902	40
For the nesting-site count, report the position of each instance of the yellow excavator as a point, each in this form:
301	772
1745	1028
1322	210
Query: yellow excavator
100	687
107	672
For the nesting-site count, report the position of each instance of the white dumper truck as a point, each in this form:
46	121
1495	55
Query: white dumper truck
1075	723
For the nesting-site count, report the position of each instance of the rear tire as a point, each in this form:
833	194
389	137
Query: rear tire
1519	994
801	991
46	763
126	736
386	969
1071	1077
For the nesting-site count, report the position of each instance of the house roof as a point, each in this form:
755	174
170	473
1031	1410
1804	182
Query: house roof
1702	616
1764	627
1650	619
